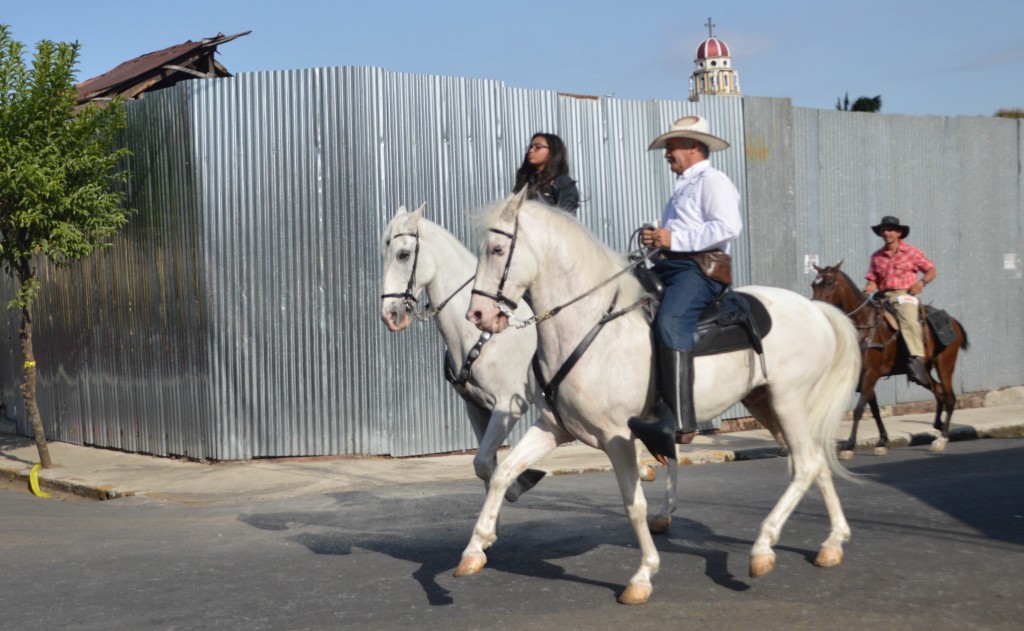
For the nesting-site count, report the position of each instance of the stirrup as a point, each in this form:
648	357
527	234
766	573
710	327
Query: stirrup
657	433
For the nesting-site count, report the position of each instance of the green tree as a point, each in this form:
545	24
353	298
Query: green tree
60	183
862	104
1011	112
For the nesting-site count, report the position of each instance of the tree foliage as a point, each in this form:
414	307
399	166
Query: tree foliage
862	104
1010	112
59	181
60	193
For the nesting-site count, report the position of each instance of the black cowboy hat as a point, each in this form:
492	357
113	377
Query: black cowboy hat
889	220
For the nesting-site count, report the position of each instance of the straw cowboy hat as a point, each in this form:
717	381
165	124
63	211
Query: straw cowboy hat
889	220
693	127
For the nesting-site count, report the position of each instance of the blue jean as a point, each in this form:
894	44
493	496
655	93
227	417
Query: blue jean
687	292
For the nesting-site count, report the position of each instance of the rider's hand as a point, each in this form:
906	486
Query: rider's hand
916	288
656	238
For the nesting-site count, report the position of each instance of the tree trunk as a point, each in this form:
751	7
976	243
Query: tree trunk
28	388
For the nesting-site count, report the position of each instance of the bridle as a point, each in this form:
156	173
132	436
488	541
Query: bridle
409	300
505	304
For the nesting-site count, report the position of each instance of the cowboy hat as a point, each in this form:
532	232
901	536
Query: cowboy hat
889	220
693	127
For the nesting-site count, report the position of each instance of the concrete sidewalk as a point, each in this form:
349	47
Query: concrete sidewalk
107	474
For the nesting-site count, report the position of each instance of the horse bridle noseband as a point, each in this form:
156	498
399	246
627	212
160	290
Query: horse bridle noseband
409	300
505	304
407	296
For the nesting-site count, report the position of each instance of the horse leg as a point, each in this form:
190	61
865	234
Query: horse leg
537	443
500	422
831	552
846	449
882	447
806	461
945	400
661	521
622	454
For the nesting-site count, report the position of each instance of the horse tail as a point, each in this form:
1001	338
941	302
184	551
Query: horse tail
964	344
837	384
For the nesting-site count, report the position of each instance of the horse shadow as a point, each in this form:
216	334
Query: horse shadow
534	538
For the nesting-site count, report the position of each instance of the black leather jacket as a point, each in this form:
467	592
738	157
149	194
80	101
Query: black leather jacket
562	192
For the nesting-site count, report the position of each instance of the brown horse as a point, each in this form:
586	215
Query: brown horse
885	354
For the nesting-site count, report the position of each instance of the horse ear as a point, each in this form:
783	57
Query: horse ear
839	264
513	205
816	268
401	209
419	211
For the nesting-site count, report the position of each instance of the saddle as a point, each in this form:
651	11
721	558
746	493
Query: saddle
733	322
938	321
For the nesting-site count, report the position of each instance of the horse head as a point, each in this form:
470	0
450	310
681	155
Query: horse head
405	271
501	278
828	285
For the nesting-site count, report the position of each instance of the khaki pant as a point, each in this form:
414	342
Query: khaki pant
910	323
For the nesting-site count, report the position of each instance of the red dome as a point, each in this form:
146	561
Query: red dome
712	47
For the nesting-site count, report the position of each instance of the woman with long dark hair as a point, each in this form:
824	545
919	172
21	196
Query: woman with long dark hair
545	173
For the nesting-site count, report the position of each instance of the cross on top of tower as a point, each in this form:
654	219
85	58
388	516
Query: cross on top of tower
710	26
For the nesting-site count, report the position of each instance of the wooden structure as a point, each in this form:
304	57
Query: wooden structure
158	70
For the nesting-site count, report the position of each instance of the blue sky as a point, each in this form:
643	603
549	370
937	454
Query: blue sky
939	57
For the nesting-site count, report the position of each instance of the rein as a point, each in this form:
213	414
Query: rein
508	306
550	388
875	325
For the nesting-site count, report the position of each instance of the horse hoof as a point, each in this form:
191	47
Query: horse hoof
881	451
635	594
846	454
938	445
659	524
471	565
829	557
761	564
648	474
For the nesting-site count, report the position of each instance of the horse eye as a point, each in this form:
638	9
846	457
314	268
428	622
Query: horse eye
498	250
403	255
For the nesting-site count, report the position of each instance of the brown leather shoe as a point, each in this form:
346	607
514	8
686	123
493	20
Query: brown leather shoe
685	438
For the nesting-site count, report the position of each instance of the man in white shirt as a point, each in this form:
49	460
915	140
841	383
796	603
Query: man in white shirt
702	215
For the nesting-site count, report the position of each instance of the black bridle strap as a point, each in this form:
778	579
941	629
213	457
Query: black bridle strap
407	295
550	388
499	296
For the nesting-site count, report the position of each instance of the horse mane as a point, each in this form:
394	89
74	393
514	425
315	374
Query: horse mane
603	262
398	223
857	291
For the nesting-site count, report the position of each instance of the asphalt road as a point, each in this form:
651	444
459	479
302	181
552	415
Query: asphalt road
938	543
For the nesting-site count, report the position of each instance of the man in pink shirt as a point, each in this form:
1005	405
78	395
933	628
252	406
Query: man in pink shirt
894	271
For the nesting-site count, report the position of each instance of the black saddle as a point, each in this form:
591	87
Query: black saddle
941	324
733	322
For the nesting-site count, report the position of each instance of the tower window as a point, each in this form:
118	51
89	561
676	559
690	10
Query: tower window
714	63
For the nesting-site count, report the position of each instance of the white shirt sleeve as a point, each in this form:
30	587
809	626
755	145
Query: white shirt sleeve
704	212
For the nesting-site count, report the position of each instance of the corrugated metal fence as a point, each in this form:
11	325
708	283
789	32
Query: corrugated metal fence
237	316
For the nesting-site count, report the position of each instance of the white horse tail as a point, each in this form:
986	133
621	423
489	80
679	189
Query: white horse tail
837	385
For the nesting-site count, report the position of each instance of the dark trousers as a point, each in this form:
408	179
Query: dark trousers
687	292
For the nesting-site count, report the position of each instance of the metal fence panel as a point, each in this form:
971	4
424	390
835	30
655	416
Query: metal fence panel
237	316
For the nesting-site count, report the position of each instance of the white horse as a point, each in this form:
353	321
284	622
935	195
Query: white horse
418	254
811	356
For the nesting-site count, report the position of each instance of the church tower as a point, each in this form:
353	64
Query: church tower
713	72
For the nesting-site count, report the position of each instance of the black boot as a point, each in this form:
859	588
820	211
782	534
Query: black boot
674	419
917	373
